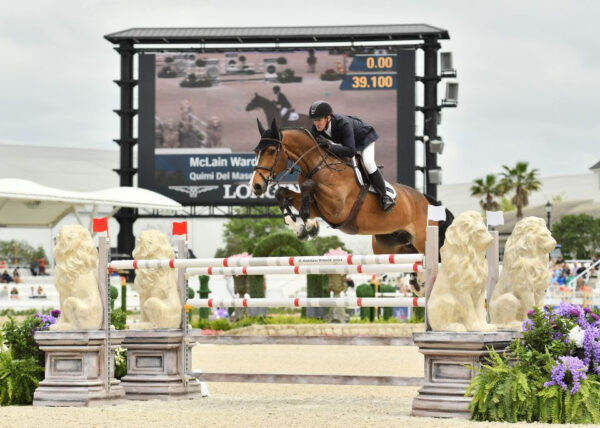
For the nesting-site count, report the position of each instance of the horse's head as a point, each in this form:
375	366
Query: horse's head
271	159
253	102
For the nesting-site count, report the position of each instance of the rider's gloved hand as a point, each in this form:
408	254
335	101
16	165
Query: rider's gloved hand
323	142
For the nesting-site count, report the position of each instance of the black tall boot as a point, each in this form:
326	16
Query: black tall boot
378	182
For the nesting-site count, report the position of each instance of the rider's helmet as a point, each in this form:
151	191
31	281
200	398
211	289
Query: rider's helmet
276	89
319	109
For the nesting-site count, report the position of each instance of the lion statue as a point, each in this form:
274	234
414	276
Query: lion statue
76	280
457	301
159	298
525	275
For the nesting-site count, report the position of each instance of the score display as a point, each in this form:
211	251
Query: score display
371	72
368	81
373	63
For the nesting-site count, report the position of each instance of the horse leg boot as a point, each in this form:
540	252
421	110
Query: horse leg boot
307	189
378	182
281	195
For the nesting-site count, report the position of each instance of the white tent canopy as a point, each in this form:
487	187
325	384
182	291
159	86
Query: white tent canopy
24	203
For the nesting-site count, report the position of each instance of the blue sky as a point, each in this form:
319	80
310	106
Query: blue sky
527	71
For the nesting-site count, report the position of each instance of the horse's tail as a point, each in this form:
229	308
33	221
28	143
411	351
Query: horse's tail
443	225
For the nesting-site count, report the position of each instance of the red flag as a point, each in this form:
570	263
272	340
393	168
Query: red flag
100	225
180	228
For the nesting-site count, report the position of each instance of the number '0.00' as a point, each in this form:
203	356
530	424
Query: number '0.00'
380	62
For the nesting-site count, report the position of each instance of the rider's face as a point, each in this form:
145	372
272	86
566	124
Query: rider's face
320	124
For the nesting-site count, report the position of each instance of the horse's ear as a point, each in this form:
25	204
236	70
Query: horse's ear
261	129
274	128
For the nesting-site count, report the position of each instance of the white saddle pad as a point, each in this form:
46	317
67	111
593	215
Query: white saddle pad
293	116
389	189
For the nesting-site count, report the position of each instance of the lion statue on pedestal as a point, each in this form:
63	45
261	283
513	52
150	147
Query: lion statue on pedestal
76	280
457	301
159	298
525	275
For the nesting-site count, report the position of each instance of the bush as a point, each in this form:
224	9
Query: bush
114	294
22	365
366	290
330	75
18	336
120	362
167	72
19	377
223	324
118	318
551	374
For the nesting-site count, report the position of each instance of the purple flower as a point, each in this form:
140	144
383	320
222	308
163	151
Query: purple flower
45	321
530	312
55	313
591	347
570	311
572	366
595	317
587	310
527	325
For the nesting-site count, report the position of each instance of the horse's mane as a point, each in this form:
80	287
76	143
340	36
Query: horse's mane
299	128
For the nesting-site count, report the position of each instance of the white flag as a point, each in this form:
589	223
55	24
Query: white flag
494	218
436	213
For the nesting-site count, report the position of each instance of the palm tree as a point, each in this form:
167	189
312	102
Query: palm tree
487	187
523	182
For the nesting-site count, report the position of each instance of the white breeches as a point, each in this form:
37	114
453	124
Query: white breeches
368	158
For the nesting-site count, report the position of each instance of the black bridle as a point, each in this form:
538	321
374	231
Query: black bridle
262	145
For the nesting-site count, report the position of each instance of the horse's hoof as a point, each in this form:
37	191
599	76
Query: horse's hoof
303	235
314	231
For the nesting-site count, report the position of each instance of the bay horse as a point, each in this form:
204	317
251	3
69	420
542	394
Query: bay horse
330	190
272	112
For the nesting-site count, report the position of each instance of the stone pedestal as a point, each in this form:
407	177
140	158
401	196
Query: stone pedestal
155	365
446	375
75	369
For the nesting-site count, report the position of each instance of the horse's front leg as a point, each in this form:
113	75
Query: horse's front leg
287	198
307	189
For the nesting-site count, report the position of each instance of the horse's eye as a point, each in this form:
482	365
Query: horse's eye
272	151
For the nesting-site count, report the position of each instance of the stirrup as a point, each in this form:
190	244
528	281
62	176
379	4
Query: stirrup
387	203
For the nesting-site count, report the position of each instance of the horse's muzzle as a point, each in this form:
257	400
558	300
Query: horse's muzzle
258	189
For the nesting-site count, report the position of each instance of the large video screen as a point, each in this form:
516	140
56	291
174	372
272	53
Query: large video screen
198	112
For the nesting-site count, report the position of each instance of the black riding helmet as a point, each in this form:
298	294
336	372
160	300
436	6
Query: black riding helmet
319	109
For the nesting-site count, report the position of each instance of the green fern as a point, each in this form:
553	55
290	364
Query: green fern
18	379
503	393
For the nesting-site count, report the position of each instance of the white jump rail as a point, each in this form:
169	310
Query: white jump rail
309	302
305	270
383	259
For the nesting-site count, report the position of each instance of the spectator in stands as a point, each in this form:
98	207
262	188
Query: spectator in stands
16	276
42	266
14	293
594	269
5	278
35	268
40	291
